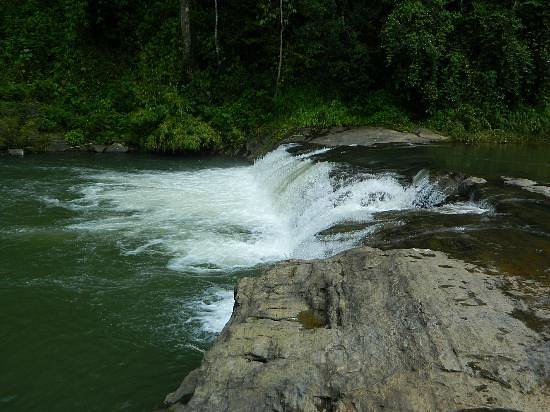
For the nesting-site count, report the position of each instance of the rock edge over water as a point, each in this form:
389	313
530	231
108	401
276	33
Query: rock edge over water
371	330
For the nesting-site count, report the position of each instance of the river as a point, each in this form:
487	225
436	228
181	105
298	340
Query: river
116	271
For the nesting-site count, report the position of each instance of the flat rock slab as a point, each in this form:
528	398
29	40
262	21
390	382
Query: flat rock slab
529	185
370	136
372	330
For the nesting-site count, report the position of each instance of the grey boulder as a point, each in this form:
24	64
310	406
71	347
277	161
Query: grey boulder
117	148
371	330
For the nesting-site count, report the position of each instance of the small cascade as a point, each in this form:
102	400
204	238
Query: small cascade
230	218
206	220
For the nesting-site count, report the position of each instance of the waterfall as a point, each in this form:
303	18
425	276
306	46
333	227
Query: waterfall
219	219
208	219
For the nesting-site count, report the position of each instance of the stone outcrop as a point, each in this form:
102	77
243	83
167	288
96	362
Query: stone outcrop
371	330
370	136
340	136
116	148
57	144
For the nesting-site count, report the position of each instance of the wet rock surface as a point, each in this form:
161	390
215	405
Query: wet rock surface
57	144
368	329
529	185
453	186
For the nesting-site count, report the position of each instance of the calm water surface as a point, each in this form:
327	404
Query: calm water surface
116	271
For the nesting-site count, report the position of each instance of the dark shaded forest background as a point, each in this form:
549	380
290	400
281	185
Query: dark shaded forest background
114	70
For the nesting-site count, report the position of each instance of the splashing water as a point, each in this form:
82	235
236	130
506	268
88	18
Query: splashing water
219	220
213	310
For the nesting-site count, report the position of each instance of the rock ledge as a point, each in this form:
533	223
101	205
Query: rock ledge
370	136
371	330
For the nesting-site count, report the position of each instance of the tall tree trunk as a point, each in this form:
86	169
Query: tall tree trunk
216	44
186	36
280	48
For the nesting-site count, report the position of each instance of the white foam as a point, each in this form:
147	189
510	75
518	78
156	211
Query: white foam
219	220
224	219
462	208
213	310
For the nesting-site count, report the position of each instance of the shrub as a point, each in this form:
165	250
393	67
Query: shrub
9	128
183	133
75	137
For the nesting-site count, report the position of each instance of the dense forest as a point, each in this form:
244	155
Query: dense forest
198	75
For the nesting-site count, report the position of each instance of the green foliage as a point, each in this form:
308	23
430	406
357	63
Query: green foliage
415	39
9	128
113	70
305	107
472	125
75	137
444	56
183	133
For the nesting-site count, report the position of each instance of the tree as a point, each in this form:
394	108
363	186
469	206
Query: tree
281	29
186	36
216	44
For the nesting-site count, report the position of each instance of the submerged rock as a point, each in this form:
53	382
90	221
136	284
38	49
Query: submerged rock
371	330
529	185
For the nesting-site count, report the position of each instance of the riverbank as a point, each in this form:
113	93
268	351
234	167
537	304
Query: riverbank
331	137
365	131
375	330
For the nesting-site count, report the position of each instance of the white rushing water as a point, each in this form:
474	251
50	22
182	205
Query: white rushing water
222	219
218	220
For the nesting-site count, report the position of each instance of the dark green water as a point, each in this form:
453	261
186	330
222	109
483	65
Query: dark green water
85	326
115	271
